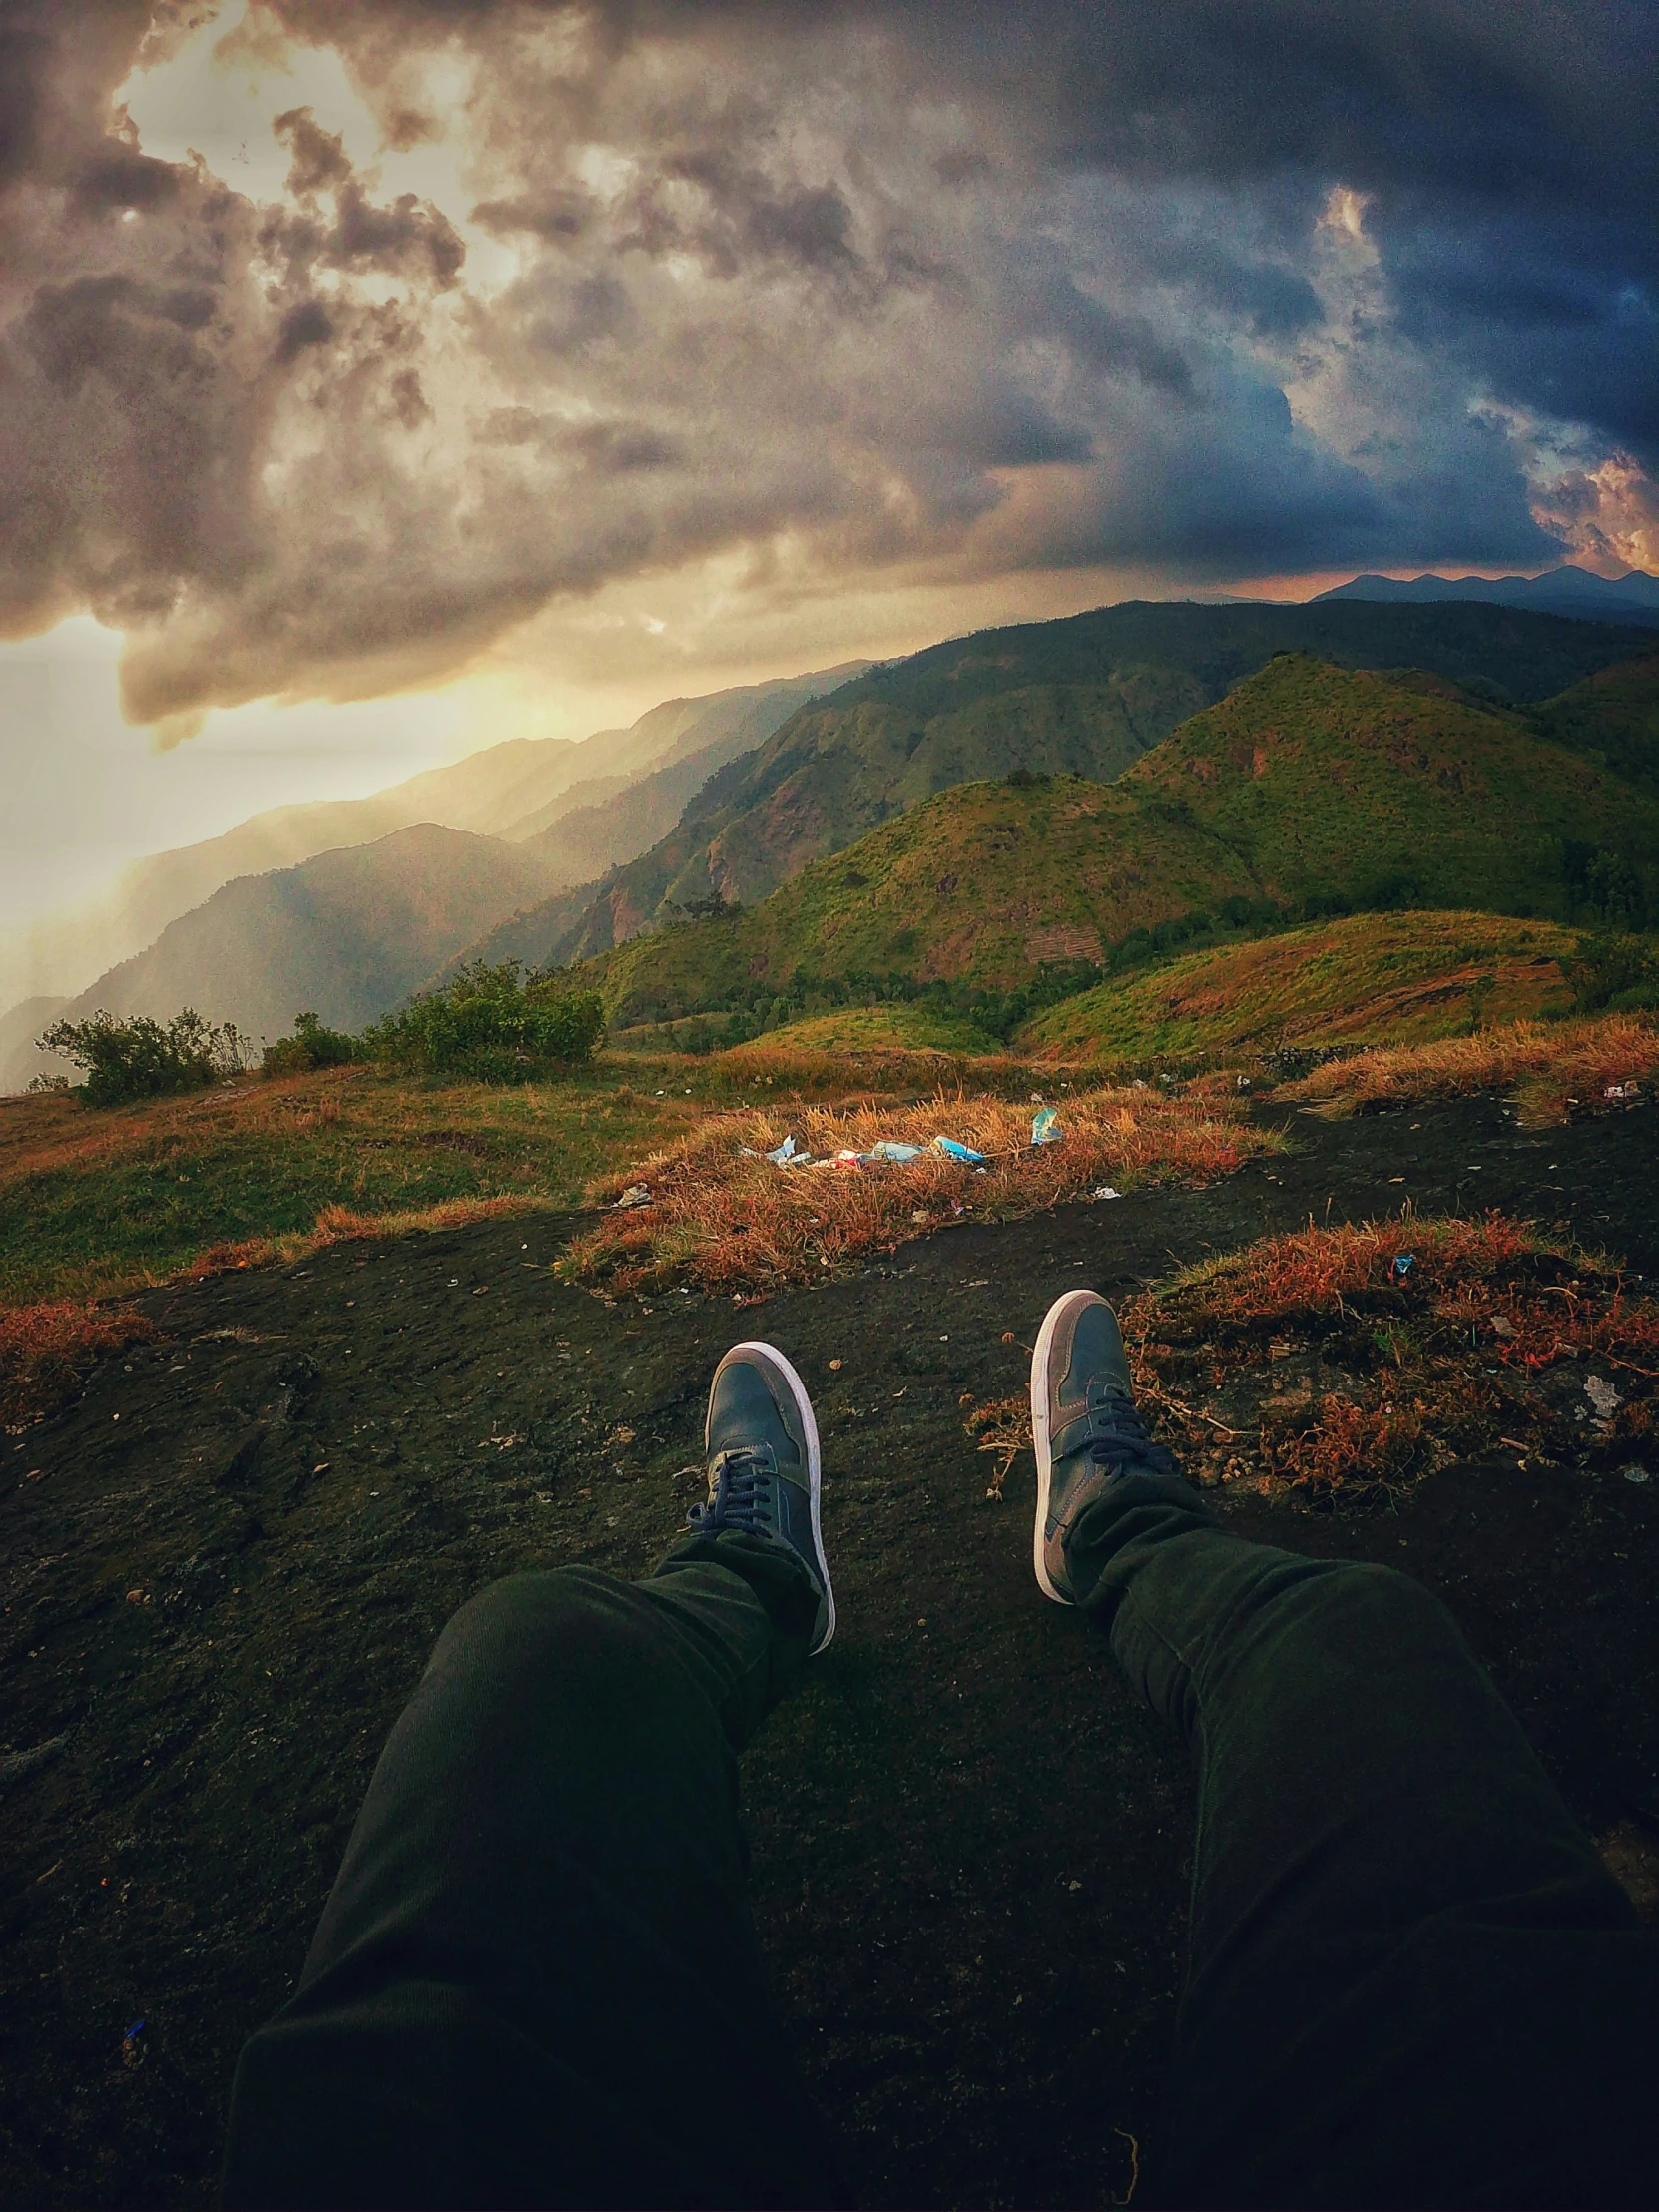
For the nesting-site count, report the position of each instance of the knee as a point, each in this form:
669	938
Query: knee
551	1623
1366	1607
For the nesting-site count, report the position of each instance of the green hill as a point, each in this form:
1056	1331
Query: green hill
1346	787
1613	719
1366	979
981	885
1086	696
1310	789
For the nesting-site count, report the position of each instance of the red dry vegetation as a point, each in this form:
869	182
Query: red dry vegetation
342	1224
1360	1372
1314	1365
46	1350
722	1213
1557	1069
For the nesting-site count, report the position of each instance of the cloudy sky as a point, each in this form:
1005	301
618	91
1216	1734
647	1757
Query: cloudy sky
381	381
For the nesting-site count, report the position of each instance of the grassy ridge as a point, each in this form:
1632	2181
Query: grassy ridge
1613	718
1364	979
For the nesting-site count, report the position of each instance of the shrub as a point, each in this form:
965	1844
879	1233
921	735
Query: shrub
1615	971
494	1024
141	1059
310	1046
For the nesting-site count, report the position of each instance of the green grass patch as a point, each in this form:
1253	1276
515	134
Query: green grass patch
96	1203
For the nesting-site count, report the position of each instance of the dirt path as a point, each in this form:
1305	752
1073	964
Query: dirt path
226	1561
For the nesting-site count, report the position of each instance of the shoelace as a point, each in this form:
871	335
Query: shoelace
743	1499
1118	1438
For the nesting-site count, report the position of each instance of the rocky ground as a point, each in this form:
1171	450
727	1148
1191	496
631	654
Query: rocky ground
227	1561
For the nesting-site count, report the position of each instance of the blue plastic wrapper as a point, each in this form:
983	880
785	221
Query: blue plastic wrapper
1045	1127
958	1151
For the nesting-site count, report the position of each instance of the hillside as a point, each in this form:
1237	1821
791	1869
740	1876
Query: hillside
1311	787
1612	718
1082	695
347	934
1366	979
1344	786
519	790
981	885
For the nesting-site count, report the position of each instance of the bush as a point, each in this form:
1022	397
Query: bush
310	1046
1618	972
496	1024
142	1059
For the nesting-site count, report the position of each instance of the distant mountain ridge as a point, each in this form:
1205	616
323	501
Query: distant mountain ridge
20	1060
1571	591
347	934
1085	695
518	790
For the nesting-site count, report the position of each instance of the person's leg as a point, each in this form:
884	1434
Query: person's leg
536	1980
1411	1980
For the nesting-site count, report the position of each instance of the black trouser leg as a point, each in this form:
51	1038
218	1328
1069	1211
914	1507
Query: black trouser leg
1411	1979
536	1981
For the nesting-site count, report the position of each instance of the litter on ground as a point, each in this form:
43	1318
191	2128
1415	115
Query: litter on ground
955	1151
896	1153
1045	1127
1105	1190
637	1193
1603	1396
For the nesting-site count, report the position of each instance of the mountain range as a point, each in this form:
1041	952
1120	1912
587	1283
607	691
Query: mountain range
857	816
1309	789
1083	695
520	791
344	935
1579	592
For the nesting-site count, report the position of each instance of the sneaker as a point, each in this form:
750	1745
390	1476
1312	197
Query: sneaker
1083	1424
761	1441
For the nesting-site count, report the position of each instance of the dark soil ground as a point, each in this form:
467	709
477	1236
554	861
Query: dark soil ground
228	1559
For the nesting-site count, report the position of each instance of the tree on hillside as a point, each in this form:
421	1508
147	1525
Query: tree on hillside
141	1059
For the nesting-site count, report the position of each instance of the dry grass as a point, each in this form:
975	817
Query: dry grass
797	1067
1367	979
45	1349
1309	1366
1314	1364
735	1222
341	1225
1557	1069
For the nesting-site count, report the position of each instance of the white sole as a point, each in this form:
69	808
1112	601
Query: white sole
1039	1428
815	1467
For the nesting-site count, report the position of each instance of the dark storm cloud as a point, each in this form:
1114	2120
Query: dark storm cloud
1206	290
